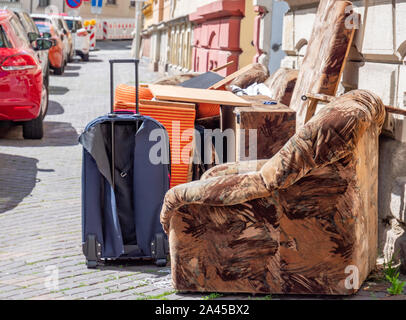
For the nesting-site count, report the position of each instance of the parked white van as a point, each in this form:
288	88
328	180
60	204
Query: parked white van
81	38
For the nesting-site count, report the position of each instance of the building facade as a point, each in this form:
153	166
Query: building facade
167	35
377	58
37	6
217	31
116	21
147	12
112	9
198	35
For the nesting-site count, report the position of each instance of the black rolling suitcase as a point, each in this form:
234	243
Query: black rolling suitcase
122	189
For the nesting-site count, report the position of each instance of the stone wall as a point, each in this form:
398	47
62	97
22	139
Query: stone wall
377	62
379	51
392	199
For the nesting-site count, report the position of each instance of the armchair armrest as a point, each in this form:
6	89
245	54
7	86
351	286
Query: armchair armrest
234	168
219	191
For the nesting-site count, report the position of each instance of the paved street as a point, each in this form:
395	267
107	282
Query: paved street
40	199
40	196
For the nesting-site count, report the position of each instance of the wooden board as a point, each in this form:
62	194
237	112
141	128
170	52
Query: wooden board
204	81
223	66
168	104
325	58
230	78
174	93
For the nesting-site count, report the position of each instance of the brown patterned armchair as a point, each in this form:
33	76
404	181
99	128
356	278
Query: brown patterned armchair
303	222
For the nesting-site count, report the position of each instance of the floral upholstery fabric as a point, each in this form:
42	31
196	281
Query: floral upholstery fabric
291	224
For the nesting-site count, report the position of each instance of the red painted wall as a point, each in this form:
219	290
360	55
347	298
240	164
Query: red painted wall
216	37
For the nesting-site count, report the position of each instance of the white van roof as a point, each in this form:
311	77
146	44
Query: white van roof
72	18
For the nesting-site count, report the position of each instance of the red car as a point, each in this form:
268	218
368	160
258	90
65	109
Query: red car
23	95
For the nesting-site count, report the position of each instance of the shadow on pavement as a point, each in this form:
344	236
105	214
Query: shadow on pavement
57	90
56	134
91	61
70	74
72	68
144	266
18	176
55	108
120	45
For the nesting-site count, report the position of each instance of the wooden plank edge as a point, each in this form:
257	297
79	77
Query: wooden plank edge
165	103
197	100
323	98
223	66
230	78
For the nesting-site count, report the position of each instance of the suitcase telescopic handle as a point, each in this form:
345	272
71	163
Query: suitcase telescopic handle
123	61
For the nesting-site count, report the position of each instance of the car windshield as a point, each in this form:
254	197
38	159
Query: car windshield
19	30
73	24
44	27
64	25
70	24
30	22
23	22
38	19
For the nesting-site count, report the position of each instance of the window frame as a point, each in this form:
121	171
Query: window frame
18	28
3	36
43	3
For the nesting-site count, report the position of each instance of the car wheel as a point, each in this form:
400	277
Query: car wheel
85	57
34	129
60	71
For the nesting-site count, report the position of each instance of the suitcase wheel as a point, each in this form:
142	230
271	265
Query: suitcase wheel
92	251
92	264
161	263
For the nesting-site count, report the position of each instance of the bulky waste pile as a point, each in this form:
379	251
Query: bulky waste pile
251	80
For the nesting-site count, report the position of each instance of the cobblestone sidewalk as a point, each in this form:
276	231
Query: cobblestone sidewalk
40	204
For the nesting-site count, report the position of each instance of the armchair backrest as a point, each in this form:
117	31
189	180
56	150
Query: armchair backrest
328	137
325	58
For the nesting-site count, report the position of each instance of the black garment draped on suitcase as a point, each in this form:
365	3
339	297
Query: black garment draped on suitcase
124	141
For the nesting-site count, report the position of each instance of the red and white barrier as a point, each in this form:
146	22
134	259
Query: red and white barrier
99	30
105	28
91	29
92	38
115	29
111	29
